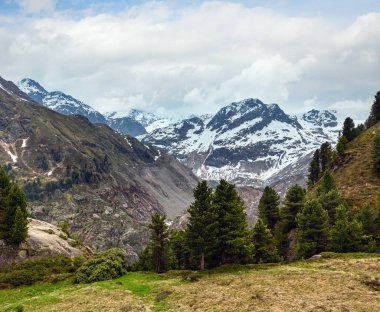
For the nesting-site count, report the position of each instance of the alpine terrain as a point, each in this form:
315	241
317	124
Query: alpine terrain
248	143
105	184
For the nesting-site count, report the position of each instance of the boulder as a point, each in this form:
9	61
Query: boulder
44	240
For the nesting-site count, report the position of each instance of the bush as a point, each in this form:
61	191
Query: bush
107	265
45	269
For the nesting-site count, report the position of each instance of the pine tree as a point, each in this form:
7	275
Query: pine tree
346	235
19	229
232	235
330	202
325	156
328	183
181	250
11	200
348	128
312	223
200	230
341	146
269	207
159	243
374	116
366	217
264	244
293	204
376	155
314	168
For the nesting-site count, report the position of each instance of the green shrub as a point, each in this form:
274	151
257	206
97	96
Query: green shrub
104	266
50	269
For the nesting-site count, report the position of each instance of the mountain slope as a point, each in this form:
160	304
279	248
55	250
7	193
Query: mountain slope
105	184
67	105
247	142
355	179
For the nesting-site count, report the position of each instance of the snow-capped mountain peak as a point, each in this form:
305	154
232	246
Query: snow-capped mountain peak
322	118
33	89
247	142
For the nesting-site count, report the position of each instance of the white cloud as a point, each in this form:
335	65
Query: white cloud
36	6
195	59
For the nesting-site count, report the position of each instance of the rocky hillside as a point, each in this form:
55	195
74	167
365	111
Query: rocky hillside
67	105
105	184
248	142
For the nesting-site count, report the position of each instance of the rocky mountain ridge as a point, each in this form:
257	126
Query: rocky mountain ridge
104	184
68	105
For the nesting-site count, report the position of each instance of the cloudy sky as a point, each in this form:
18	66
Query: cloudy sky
190	57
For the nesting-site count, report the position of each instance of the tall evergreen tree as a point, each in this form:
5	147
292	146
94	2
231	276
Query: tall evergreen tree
312	223
330	202
376	155
374	116
159	243
346	235
269	207
366	217
348	128
293	204
264	244
314	168
232	243
12	199
19	229
201	228
325	156
180	248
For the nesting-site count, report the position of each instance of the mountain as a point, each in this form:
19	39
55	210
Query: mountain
149	121
67	105
247	142
104	184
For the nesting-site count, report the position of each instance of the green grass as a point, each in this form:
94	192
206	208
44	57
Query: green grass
142	289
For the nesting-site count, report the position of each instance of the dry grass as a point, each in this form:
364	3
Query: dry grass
343	283
94	299
328	285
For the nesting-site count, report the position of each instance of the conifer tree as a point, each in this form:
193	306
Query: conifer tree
312	224
314	168
328	182
180	248
232	235
374	116
201	229
346	235
12	229
366	217
348	129
264	244
293	204
19	229
159	243
269	207
341	146
325	156
376	155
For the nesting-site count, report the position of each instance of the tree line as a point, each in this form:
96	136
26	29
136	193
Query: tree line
296	227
